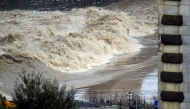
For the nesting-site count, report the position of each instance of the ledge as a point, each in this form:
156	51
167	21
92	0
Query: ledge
169	39
172	96
172	58
171	77
176	20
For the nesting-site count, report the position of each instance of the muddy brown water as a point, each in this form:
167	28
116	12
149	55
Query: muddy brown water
130	78
122	72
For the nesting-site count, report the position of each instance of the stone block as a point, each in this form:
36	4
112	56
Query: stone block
176	20
170	48
185	2
172	58
160	66
186	68
160	18
184	49
169	39
186	40
186	77
171	10
172	96
185	30
186	58
184	10
171	30
167	67
187	97
174	87
161	29
159	39
171	77
185	87
186	20
173	2
161	47
160	104
184	105
161	2
159	55
168	105
161	9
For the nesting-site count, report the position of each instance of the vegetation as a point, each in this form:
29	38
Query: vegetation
5	104
33	91
120	99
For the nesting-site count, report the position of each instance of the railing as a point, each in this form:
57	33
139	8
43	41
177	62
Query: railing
44	5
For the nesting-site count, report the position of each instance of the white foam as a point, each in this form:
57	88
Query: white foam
69	42
149	86
1	52
4	93
80	94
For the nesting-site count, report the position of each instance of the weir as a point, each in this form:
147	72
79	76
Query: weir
174	54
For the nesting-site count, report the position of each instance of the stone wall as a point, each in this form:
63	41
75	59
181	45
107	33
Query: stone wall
174	54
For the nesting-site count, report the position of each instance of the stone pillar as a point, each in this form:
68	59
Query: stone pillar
174	54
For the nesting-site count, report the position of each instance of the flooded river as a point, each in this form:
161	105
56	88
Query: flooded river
112	48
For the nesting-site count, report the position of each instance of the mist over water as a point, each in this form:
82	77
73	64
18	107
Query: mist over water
69	41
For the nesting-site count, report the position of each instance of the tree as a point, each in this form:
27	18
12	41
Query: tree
36	92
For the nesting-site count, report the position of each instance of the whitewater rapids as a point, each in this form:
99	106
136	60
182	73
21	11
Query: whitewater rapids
75	46
69	41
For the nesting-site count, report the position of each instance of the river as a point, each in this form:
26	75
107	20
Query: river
112	49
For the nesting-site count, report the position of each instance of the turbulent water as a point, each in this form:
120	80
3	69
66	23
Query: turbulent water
67	42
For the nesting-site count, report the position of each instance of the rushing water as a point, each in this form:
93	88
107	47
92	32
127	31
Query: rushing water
110	48
150	86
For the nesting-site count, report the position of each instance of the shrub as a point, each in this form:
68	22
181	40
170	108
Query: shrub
2	102
5	104
36	92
